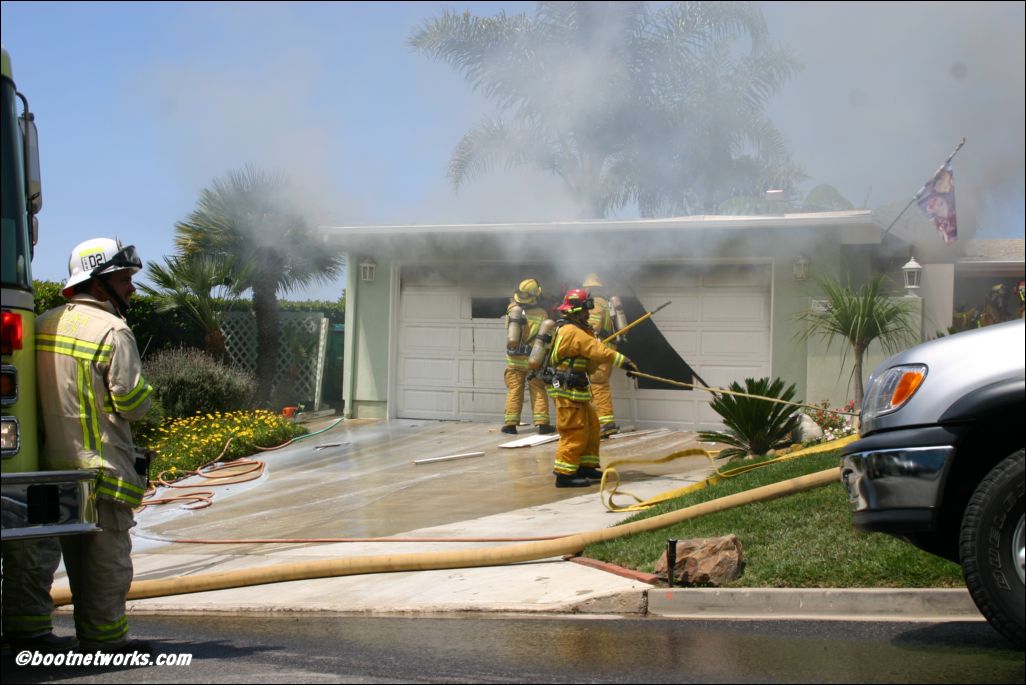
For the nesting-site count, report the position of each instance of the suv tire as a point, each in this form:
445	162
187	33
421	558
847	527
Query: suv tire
991	547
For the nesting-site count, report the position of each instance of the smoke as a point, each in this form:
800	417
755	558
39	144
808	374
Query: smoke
888	91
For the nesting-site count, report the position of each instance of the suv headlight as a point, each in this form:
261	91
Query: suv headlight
893	389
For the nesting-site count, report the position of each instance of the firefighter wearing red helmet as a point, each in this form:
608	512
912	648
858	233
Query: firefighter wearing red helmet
575	353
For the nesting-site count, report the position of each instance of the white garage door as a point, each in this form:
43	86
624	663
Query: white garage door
450	364
719	322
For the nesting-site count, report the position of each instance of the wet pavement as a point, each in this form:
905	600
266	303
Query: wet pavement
357	479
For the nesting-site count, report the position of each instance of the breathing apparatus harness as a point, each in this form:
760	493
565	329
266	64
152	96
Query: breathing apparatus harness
566	377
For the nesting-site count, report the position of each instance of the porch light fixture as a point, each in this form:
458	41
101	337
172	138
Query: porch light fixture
913	272
367	267
800	268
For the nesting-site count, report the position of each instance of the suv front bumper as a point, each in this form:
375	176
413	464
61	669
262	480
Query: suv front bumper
895	479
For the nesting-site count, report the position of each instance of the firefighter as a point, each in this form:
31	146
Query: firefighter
90	387
602	321
575	353
523	317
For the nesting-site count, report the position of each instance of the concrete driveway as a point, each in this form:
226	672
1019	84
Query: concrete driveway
358	479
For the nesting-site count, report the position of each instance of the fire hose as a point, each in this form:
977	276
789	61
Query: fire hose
471	558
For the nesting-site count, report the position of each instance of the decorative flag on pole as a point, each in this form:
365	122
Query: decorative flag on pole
937	201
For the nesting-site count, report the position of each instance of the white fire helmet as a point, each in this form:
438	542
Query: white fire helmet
99	256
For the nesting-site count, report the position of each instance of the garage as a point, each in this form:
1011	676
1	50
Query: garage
450	342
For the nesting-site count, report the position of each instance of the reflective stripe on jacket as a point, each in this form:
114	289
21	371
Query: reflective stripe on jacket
90	387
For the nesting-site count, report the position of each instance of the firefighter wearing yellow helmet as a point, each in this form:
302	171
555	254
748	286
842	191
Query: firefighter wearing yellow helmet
90	388
603	319
524	316
576	353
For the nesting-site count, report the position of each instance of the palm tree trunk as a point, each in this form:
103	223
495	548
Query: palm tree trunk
859	354
265	306
213	340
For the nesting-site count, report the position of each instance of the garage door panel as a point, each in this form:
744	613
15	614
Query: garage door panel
721	376
482	402
740	307
430	306
488	373
421	370
748	345
428	403
422	338
489	340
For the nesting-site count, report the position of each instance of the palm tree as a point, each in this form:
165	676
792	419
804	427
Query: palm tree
860	318
195	283
247	219
620	103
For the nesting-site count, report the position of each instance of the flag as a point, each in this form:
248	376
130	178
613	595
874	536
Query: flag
937	201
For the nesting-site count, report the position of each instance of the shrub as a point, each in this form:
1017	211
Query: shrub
188	381
834	425
754	426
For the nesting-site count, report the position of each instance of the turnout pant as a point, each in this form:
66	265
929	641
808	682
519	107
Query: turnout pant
28	568
516	379
578	429
100	573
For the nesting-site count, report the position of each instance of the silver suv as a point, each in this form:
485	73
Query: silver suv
939	462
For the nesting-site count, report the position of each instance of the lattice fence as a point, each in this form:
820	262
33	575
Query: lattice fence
304	337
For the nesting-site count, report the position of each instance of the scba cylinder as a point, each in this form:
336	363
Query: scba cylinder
540	348
515	321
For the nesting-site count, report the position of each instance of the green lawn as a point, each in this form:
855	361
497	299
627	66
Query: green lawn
803	540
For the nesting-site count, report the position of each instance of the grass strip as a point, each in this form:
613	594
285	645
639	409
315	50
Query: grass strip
803	540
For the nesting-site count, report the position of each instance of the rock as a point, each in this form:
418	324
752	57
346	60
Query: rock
808	430
706	561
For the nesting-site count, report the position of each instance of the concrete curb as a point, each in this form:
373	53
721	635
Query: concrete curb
877	604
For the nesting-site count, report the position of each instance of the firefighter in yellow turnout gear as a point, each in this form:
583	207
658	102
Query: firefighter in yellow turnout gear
575	353
523	318
601	319
90	387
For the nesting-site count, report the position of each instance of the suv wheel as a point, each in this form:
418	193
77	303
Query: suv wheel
991	548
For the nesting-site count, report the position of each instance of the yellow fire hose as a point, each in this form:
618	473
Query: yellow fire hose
609	487
481	556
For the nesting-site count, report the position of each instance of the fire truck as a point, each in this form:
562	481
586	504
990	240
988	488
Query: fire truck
34	503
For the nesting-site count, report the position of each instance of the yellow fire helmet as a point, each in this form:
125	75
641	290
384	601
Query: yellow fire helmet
592	281
527	292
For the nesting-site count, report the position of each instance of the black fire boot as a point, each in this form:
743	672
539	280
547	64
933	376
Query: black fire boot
545	429
571	481
589	472
512	430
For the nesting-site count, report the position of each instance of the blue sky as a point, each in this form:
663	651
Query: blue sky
141	105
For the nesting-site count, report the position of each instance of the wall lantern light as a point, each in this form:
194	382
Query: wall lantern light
367	267
801	267
913	272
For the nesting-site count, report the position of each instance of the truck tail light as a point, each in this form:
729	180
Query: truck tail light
10	436
10	332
